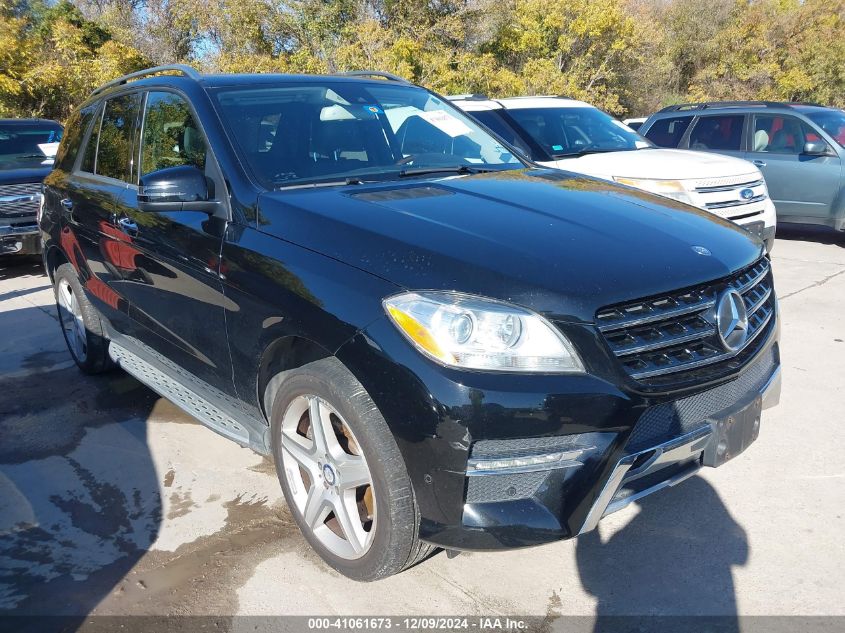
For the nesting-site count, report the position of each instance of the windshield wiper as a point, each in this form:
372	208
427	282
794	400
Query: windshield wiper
588	150
352	180
456	169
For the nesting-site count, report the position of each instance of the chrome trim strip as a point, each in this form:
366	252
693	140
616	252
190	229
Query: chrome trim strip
730	204
677	340
668	314
676	450
750	284
705	361
22	198
739	185
759	303
17	231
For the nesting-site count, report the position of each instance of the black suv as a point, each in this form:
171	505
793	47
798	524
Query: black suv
439	344
27	147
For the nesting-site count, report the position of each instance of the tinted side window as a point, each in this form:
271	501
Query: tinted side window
720	132
114	150
89	161
778	134
668	132
74	133
495	122
171	136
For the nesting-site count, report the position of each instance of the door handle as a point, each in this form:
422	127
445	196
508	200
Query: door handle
759	163
128	226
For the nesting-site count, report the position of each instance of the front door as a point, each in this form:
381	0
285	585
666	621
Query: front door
800	185
175	293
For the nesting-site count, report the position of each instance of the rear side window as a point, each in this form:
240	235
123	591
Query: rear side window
719	132
114	149
668	132
778	134
171	136
74	133
494	120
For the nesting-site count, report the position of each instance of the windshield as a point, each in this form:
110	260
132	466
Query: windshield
28	144
334	131
831	121
570	131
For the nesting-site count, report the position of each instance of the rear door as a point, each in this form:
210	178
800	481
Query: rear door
800	185
718	133
88	204
172	280
670	131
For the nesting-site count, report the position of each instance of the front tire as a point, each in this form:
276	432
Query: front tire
81	325
342	474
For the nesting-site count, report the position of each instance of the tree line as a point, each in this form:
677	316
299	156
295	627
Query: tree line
629	57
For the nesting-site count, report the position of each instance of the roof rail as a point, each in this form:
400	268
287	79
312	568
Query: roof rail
187	71
733	104
374	73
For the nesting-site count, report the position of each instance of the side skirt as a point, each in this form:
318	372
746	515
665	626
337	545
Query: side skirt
185	391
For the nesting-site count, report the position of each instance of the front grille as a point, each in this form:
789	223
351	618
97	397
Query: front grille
12	208
677	332
662	422
722	196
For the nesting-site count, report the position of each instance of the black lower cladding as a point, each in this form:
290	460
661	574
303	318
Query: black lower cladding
662	422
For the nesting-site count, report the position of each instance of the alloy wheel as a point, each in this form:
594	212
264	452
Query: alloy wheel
328	477
70	315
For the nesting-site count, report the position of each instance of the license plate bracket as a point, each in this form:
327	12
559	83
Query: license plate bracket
734	430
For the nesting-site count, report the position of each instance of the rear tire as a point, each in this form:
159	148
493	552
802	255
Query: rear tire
363	452
81	325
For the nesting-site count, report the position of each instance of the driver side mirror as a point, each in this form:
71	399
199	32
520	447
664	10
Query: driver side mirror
181	188
815	148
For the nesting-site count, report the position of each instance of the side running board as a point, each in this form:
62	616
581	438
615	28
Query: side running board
180	395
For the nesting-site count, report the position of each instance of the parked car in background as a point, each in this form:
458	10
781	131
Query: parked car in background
576	136
27	150
635	123
439	343
800	148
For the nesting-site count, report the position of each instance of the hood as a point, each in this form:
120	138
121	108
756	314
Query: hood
669	164
557	243
22	176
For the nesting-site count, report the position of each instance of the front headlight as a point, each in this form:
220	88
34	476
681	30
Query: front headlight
667	188
475	333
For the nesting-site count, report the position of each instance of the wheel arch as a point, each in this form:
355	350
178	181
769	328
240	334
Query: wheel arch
280	357
53	258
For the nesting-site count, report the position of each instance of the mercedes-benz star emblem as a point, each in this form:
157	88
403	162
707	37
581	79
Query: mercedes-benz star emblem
328	475
701	250
732	320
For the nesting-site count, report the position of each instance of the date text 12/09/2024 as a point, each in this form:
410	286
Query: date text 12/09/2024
477	623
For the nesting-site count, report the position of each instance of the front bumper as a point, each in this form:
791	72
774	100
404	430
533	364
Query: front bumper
647	471
763	225
21	237
446	421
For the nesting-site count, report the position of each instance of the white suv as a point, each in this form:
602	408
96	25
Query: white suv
575	136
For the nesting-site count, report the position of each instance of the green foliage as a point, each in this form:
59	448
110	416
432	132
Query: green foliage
626	56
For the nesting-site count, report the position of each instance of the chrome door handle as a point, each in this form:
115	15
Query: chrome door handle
127	226
759	163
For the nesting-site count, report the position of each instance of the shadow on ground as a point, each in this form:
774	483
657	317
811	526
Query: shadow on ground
79	495
810	233
674	558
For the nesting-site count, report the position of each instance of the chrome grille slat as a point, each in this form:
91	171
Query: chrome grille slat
677	332
731	187
698	307
734	203
19	208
